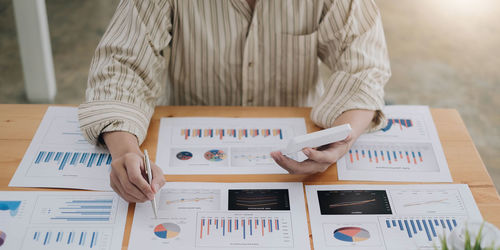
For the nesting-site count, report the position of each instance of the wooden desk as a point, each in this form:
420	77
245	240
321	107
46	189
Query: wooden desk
18	124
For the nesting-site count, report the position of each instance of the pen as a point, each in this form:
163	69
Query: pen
150	178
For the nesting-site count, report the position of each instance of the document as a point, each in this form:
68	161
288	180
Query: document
59	156
376	217
61	220
224	145
213	216
407	149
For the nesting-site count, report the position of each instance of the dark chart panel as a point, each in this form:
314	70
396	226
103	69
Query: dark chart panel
354	202
259	199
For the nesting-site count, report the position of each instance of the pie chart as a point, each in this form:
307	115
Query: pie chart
2	238
184	155
215	155
351	234
167	230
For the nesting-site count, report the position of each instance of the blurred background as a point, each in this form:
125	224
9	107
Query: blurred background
444	53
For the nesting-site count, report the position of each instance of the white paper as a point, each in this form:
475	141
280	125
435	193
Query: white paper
224	145
407	149
61	220
387	216
198	215
59	156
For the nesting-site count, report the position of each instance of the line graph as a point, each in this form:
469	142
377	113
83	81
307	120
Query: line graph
425	202
336	202
181	200
434	201
190	199
351	203
258	199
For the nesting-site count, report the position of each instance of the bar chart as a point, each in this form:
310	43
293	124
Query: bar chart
423	231
66	159
392	156
60	157
403	123
194	135
64	130
224	229
12	207
75	210
224	133
61	163
67	238
400	126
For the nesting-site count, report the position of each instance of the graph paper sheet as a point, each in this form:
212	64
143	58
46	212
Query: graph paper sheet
59	156
407	149
61	220
224	145
215	216
388	217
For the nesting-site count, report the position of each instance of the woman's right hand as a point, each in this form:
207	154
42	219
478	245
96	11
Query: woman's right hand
128	175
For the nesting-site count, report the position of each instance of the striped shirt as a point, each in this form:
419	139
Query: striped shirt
223	53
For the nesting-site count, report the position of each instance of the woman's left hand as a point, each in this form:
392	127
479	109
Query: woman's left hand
323	157
319	159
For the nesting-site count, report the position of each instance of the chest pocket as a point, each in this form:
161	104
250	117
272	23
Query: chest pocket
297	68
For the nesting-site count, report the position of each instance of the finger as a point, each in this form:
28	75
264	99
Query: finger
133	168
158	178
325	156
115	184
348	138
114	187
293	166
127	187
278	157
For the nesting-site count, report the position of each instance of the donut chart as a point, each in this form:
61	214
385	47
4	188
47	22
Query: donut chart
2	238
351	234
215	155
167	230
184	155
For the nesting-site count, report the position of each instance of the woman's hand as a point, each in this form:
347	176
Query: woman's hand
128	175
321	158
318	159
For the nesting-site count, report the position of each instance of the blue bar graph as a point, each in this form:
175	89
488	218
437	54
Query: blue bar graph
62	238
63	160
403	123
83	210
428	226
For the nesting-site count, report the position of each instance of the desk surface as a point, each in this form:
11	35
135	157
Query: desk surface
18	124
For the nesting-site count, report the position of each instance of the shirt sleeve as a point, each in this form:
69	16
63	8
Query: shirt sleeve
128	70
351	43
